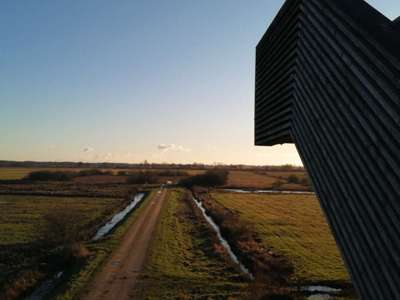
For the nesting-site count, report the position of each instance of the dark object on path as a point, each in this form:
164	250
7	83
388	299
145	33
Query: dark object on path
328	80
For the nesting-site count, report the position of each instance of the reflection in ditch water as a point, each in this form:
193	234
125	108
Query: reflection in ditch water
268	192
320	297
223	242
44	289
317	292
118	217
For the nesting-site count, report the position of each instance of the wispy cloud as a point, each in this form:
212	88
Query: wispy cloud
172	147
164	147
108	156
88	149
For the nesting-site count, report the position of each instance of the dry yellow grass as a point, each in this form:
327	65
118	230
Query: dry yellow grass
264	180
295	226
249	179
285	175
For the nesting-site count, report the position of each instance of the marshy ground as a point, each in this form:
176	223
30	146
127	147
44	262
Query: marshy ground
283	239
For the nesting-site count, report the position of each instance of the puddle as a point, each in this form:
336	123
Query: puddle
118	217
223	242
319	292
320	289
44	289
320	297
268	192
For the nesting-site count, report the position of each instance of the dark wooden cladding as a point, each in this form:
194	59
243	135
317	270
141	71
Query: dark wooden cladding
328	80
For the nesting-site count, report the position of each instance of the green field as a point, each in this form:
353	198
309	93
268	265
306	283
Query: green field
21	217
24	228
183	263
294	226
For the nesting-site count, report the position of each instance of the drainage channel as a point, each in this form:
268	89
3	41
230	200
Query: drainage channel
314	292
318	292
47	286
118	217
223	241
268	192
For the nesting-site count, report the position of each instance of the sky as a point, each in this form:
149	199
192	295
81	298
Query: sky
135	80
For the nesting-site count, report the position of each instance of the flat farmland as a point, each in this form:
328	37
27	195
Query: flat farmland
292	225
19	173
22	217
246	179
28	222
249	179
265	180
285	175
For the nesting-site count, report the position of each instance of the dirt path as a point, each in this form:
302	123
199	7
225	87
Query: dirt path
117	278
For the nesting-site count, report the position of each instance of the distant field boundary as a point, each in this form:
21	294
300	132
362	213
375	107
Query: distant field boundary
58	194
254	190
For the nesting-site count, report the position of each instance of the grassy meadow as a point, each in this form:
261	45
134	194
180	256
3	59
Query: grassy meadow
22	217
184	262
26	225
266	180
292	225
249	179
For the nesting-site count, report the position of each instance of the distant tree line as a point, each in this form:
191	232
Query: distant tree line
46	175
142	177
145	165
211	178
134	177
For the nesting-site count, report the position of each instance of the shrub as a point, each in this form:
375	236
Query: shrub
48	176
62	234
142	178
208	179
92	172
277	185
293	179
62	226
305	181
172	173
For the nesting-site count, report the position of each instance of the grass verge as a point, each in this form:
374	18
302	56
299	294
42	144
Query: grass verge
185	262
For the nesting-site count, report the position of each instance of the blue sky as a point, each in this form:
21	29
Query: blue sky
165	81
